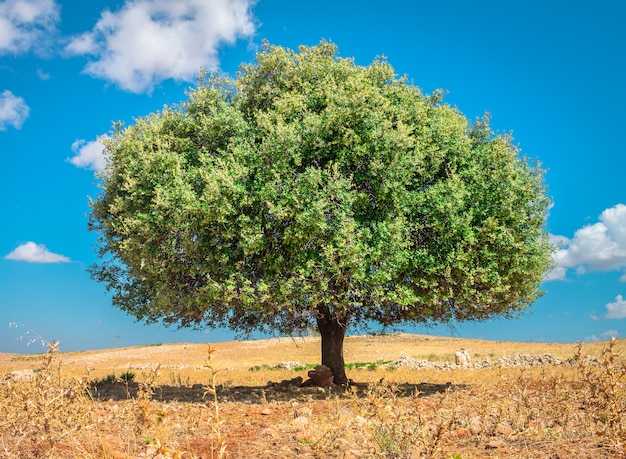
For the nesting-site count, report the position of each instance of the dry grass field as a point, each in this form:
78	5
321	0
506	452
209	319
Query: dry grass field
246	399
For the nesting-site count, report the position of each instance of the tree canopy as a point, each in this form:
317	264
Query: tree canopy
309	190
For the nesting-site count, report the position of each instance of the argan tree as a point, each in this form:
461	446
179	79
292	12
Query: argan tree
310	191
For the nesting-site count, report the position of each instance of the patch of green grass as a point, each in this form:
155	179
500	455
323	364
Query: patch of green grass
372	366
127	376
261	367
108	379
308	366
26	358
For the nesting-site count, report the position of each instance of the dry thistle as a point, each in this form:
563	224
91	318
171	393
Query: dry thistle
44	412
214	419
604	393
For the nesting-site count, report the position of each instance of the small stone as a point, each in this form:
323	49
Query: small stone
303	436
341	443
304	411
288	365
462	358
360	420
321	376
269	432
475	425
151	451
266	412
22	375
504	429
495	444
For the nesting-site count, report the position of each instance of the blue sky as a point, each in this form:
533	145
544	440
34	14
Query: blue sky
552	72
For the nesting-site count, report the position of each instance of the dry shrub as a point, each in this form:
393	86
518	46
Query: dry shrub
569	411
44	412
603	394
214	421
48	413
158	429
384	422
411	427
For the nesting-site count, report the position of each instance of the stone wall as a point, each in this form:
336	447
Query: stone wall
463	360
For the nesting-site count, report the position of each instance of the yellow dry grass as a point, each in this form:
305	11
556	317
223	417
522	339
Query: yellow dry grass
171	401
237	357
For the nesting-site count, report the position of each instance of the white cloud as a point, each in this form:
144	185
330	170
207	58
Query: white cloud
88	155
149	41
605	336
13	110
35	253
597	247
43	76
616	310
25	24
558	272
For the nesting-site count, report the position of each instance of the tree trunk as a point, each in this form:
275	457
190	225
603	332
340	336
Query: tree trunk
332	333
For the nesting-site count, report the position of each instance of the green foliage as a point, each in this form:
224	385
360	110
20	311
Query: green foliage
372	366
111	378
309	186
127	376
261	367
308	366
107	380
